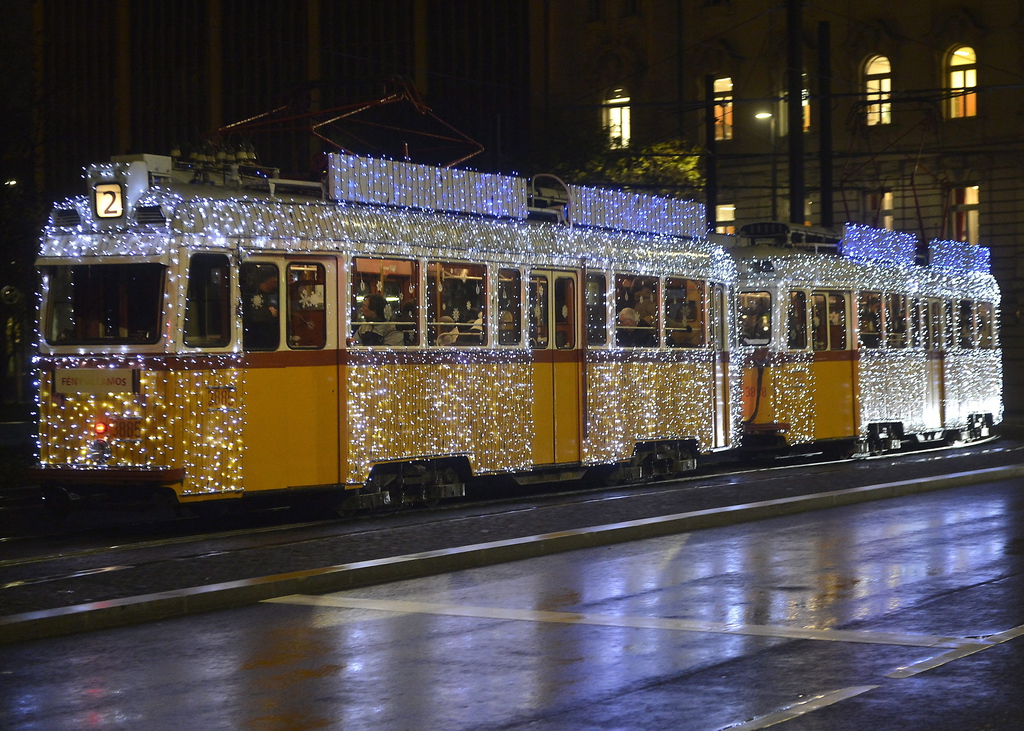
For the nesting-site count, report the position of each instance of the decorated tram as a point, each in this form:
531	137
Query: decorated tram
215	332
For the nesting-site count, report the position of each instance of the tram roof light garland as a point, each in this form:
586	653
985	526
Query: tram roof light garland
866	243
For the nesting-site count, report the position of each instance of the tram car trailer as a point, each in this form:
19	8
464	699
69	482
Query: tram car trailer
854	345
213	332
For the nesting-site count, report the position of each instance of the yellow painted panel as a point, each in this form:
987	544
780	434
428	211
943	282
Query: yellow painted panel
291	435
833	399
543	414
567	412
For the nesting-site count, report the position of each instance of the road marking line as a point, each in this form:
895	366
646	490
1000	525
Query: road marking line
967	648
799	709
679	625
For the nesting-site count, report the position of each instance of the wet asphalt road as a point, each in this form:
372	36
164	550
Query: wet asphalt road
95	558
903	613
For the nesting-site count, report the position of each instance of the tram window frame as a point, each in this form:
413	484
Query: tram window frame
261	308
870	322
836	331
565	312
306	321
539	298
685	316
395	279
596	307
630	296
897	329
754	317
932	312
718	321
446	299
797	321
208	301
105	304
966	327
985	324
510	307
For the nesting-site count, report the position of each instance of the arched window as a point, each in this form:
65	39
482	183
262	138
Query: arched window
962	72
616	118
878	88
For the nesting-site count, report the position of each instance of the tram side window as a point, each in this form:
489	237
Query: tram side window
685	313
965	324
754	318
456	303
597	309
510	307
538	311
208	302
565	313
896	321
307	306
869	309
636	302
796	320
985	320
385	296
828	320
261	311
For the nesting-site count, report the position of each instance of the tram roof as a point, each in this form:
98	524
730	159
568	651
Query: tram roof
173	212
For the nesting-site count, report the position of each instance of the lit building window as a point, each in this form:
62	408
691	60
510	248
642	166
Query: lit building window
725	218
616	118
879	208
723	108
963	82
805	102
878	86
964	209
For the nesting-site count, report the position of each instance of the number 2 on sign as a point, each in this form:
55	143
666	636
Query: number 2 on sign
109	200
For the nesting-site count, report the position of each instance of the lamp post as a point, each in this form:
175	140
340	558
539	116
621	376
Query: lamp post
775	170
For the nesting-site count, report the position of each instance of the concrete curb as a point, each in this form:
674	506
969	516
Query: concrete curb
184	602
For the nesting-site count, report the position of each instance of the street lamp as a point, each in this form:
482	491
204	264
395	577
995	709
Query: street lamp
775	170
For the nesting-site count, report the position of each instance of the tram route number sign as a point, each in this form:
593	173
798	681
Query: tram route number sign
95	380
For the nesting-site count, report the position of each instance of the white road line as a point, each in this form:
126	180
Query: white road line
678	625
967	648
798	709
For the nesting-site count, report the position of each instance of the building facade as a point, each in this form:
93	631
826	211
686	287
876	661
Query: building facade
926	102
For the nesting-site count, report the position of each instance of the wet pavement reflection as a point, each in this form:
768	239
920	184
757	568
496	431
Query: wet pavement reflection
703	630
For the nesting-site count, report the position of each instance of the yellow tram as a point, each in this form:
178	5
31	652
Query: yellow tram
854	342
214	332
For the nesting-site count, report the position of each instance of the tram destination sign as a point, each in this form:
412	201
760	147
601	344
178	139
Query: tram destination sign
96	380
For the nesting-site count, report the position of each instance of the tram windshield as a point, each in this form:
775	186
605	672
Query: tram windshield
103	304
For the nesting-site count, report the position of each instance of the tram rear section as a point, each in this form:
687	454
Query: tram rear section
207	336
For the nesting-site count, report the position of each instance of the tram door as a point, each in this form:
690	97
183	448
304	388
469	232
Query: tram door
557	363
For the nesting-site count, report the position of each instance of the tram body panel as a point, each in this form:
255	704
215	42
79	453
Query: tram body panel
291	428
640	398
450	405
833	375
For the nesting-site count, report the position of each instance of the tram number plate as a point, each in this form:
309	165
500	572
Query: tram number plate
126	429
221	397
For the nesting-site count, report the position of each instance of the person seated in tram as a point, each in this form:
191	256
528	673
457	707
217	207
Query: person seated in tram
630	332
448	332
376	330
472	331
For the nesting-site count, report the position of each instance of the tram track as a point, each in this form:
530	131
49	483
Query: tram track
243	540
